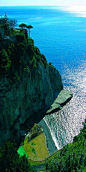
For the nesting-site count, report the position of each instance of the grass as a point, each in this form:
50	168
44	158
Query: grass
44	161
36	149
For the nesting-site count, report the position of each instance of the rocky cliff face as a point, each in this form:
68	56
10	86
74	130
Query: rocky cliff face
23	102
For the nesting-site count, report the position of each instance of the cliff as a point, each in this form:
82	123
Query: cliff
28	87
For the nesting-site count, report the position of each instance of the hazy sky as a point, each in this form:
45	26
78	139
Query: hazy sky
43	2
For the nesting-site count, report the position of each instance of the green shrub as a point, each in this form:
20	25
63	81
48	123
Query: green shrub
10	160
33	62
30	49
72	158
21	37
31	41
5	61
36	50
20	48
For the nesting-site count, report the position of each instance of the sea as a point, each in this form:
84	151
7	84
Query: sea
60	34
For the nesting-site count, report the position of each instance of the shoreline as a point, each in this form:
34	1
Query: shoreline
49	141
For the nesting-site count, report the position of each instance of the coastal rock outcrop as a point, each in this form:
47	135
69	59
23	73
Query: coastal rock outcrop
23	101
28	85
63	97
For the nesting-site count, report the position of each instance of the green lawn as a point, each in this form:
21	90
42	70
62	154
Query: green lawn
36	149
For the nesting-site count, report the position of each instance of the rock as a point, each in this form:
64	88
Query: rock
22	133
27	88
23	102
63	97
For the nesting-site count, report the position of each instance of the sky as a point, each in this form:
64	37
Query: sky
43	2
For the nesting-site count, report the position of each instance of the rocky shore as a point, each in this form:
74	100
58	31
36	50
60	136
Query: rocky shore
63	97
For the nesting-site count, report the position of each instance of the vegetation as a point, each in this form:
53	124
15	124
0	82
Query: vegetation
10	161
12	23
5	62
21	56
33	147
33	143
18	55
72	158
29	27
23	25
35	131
22	152
8	25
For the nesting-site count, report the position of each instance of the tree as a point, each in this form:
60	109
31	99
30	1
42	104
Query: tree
6	25
29	27
22	25
12	23
5	18
10	161
72	158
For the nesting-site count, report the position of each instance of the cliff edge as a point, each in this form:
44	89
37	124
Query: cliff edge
28	85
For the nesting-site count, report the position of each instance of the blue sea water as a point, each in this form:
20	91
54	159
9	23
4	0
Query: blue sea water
61	37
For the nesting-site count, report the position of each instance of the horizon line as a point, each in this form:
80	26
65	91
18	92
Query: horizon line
39	5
